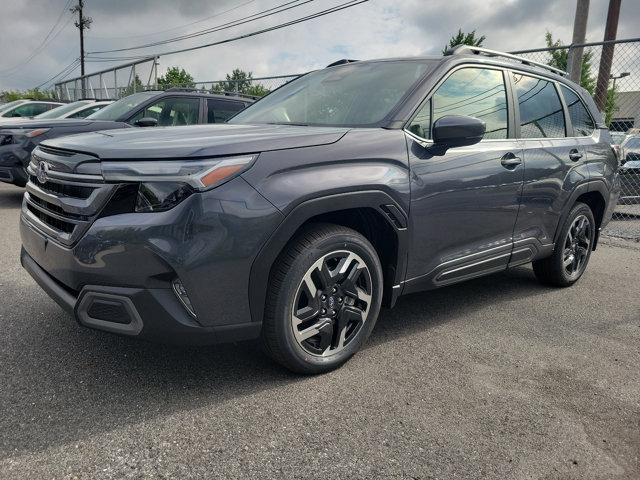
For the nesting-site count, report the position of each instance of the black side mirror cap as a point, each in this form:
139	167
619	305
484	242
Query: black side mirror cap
458	131
146	122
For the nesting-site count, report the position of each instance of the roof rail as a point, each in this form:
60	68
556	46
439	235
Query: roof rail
468	49
341	62
204	90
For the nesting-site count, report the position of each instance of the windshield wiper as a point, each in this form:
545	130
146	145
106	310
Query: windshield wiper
295	124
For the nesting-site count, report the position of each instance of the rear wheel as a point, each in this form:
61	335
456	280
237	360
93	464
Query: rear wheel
323	299
572	252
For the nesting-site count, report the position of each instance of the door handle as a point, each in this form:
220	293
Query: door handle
574	155
510	161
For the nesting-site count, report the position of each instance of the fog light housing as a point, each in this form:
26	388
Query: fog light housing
181	293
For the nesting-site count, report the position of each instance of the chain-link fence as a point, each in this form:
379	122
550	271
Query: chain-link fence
611	73
142	75
254	87
112	83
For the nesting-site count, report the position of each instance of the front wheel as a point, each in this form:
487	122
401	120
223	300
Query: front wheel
323	300
572	252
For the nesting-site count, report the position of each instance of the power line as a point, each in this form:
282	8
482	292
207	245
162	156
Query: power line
68	69
219	14
319	14
234	23
47	40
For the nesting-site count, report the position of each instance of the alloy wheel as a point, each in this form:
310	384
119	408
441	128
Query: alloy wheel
577	245
332	303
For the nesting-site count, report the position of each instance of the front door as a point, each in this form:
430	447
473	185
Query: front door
464	203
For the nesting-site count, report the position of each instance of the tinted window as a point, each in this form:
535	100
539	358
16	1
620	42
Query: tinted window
347	95
87	111
421	124
171	112
29	110
476	92
541	114
580	119
58	112
123	106
219	111
6	106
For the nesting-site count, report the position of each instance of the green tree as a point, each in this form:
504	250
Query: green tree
176	77
33	93
241	82
136	86
559	59
462	38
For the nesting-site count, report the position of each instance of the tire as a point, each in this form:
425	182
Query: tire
572	251
314	332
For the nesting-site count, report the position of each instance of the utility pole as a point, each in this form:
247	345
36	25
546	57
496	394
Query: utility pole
574	62
82	23
606	58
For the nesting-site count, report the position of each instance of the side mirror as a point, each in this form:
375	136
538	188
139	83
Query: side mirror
146	122
458	131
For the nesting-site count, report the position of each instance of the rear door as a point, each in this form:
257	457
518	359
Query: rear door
555	163
464	203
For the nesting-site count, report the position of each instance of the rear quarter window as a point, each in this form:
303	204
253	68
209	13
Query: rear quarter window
583	124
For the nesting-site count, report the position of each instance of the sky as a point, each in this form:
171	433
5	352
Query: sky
375	29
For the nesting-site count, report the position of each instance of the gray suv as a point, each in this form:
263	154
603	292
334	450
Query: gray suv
330	197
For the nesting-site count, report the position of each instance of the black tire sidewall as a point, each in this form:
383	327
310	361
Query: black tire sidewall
344	240
579	209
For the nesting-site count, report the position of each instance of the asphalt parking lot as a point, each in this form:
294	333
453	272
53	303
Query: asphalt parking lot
496	378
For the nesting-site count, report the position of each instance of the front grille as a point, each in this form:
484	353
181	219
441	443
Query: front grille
65	204
52	222
73	191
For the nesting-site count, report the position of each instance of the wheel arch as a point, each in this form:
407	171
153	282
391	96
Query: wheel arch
594	194
373	213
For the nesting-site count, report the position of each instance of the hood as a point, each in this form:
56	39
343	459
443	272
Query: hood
196	141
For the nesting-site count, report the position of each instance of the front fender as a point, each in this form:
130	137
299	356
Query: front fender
378	200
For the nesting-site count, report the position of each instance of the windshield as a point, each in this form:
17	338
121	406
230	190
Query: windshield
356	94
123	106
6	106
59	112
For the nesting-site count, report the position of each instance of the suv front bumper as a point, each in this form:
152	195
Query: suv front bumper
118	276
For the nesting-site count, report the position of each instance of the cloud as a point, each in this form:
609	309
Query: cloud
375	29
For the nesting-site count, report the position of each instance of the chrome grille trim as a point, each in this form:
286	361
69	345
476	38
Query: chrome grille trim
62	217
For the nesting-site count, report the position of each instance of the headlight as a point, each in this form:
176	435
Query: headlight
198	174
163	184
12	135
160	196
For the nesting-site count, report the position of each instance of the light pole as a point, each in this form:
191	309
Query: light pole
616	77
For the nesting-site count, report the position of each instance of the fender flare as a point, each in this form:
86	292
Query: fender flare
586	187
374	199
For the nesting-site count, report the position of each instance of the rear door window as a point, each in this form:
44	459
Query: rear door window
583	124
541	113
219	111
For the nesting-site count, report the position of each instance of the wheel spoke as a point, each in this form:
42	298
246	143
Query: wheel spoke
308	286
305	314
312	330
